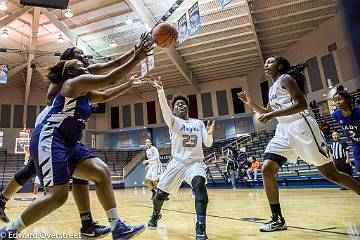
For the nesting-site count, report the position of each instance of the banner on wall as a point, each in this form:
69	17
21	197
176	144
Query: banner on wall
183	29
4	70
224	3
151	62
144	68
194	19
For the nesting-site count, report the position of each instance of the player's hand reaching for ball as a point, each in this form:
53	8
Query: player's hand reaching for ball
136	81
210	127
243	96
156	82
144	47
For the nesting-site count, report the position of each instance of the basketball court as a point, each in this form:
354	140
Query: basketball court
310	213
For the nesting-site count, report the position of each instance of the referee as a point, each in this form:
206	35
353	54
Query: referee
340	152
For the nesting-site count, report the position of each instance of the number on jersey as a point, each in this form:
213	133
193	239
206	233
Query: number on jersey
190	140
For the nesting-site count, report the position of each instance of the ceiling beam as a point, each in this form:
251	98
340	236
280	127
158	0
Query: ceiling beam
16	70
13	16
32	48
254	30
74	39
147	18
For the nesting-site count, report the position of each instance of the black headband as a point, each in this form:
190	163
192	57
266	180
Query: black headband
67	53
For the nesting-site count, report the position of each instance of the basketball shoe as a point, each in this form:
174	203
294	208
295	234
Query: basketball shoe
122	231
201	231
277	223
95	231
153	220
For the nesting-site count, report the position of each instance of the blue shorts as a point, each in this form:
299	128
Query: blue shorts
357	160
55	159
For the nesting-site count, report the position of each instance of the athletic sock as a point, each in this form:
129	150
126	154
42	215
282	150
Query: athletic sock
18	225
113	217
276	209
3	200
201	218
86	219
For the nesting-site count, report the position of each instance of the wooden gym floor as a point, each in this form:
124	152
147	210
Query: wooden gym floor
310	214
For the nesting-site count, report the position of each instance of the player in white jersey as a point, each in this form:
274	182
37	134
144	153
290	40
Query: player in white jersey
187	136
297	134
153	166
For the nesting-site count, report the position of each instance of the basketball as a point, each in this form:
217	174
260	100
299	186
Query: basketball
165	35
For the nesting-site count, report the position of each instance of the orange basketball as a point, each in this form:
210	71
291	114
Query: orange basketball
165	35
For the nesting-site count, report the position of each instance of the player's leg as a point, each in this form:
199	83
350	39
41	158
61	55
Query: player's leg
201	202
170	182
269	170
80	190
95	170
343	179
16	183
248	172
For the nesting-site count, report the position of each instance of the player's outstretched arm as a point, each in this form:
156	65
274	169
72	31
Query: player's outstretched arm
115	91
244	96
297	96
82	84
165	109
104	68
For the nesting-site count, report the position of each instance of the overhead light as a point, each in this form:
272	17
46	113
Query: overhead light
3	6
113	44
60	39
129	21
68	13
5	34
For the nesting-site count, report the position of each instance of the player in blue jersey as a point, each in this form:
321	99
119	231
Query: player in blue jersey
349	118
90	228
58	136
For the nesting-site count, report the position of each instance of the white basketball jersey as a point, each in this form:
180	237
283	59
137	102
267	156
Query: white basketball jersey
152	154
187	137
279	98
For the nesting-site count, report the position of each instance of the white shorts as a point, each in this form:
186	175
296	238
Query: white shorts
153	172
176	172
300	138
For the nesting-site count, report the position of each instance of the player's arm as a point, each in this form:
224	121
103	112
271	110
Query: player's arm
51	93
347	152
104	68
113	92
296	95
207	133
244	96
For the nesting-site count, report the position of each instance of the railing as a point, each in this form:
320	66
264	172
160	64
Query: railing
235	143
133	164
210	158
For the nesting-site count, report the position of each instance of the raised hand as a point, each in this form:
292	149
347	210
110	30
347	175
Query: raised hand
210	127
243	96
144	47
136	81
156	82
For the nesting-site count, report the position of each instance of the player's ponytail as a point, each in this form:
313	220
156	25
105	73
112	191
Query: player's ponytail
60	71
296	72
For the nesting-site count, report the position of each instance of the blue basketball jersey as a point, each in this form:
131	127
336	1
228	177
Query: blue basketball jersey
351	125
69	116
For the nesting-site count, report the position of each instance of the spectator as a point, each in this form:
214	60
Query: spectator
325	128
254	169
231	169
242	162
340	153
315	108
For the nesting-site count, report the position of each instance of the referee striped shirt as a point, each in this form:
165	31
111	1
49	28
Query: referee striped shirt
338	149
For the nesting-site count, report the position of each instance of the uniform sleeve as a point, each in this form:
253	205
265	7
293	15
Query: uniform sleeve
165	109
206	138
345	146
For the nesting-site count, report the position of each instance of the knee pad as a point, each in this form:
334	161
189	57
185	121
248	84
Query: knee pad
26	173
198	184
160	195
80	181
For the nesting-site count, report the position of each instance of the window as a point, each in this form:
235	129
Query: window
93	141
1	139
